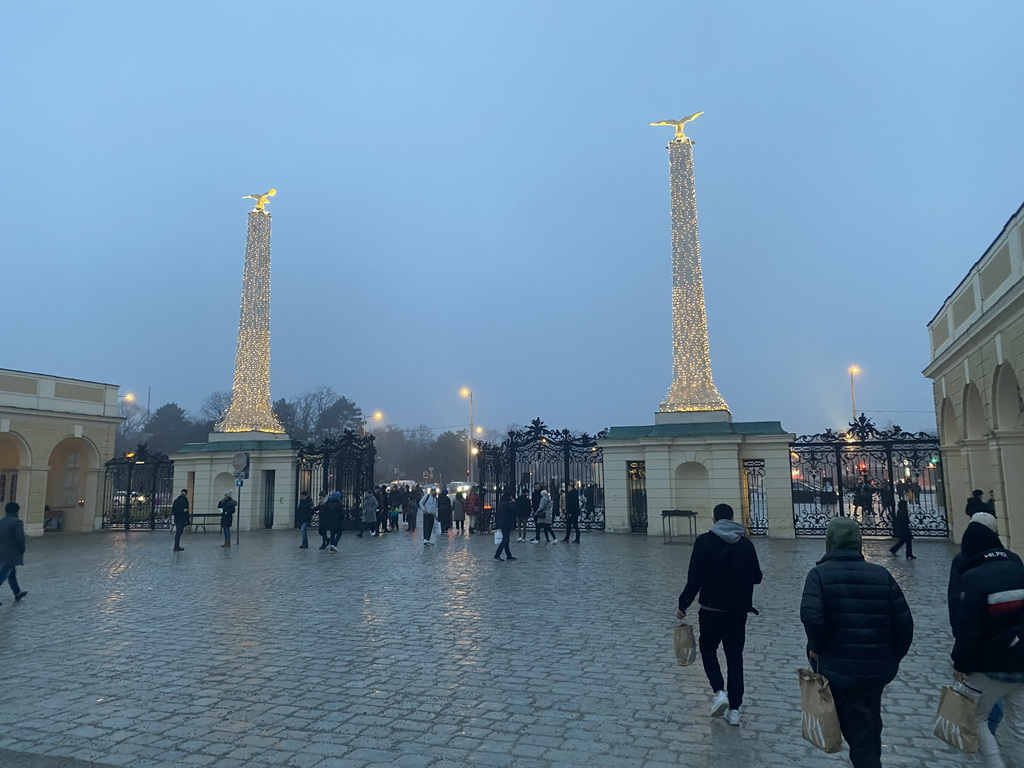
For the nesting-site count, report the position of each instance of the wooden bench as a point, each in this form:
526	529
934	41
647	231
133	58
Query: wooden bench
204	519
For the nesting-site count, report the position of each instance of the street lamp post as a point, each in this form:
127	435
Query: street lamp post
854	370
467	392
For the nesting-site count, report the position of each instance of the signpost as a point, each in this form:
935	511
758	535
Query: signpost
240	465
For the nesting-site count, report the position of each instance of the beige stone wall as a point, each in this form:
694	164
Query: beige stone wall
977	364
55	437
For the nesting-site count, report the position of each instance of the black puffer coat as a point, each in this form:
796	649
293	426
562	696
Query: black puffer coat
988	615
856	619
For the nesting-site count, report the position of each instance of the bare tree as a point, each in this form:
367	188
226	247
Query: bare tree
132	430
309	407
214	406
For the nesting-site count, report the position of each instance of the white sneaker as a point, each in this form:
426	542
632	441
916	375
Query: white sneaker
534	541
332	549
554	541
425	542
520	538
732	717
720	703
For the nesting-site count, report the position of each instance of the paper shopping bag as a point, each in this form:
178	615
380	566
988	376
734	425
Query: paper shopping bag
956	722
820	723
686	646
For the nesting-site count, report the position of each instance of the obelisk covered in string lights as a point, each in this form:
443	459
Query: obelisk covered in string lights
250	409
693	390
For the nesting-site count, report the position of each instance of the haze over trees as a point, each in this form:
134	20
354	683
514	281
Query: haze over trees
418	453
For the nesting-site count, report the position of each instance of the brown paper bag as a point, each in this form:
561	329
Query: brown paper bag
957	720
686	646
820	723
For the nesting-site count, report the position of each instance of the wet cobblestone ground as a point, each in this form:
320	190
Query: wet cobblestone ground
393	653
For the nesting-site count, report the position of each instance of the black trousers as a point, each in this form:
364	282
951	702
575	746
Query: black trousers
506	534
728	629
179	528
572	523
860	720
428	525
546	528
900	543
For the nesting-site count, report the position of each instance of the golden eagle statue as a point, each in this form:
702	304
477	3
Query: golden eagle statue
261	200
678	125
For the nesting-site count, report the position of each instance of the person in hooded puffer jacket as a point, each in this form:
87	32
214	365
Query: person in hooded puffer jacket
859	628
987	610
723	569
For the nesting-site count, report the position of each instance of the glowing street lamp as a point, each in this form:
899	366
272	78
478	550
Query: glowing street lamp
467	392
854	370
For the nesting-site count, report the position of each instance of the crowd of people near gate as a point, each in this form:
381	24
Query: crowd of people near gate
435	510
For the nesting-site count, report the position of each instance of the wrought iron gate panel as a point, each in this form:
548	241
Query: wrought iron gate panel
555	458
343	464
863	473
138	491
636	495
755	504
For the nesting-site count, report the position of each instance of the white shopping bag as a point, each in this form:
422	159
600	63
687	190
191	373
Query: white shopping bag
497	536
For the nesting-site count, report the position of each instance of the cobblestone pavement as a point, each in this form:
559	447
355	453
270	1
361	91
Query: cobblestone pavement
393	653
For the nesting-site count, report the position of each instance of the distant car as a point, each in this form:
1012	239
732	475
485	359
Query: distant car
463	488
805	493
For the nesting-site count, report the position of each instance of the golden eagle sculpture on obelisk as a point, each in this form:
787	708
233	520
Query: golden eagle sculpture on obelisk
250	409
692	389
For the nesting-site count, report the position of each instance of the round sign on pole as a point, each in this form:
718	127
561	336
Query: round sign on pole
238	462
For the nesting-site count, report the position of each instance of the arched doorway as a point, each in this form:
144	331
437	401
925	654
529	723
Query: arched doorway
692	489
71	486
15	459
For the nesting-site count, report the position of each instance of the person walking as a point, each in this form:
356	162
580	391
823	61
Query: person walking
995	715
722	574
505	521
444	509
543	520
859	627
322	529
572	513
901	530
227	516
332	518
12	549
472	507
369	521
523	510
459	513
304	516
179	511
428	506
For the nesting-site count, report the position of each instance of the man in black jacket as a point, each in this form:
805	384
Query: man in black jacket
572	513
12	549
505	521
858	629
179	510
723	569
988	624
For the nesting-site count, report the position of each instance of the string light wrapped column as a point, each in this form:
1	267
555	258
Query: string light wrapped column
250	409
692	387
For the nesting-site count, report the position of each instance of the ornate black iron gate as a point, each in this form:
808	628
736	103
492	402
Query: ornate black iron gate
557	459
755	505
138	491
343	464
863	473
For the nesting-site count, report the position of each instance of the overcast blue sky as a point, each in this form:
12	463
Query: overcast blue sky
469	195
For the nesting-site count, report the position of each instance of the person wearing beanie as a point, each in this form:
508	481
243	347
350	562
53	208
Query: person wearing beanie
179	511
723	571
12	549
859	627
227	515
542	518
986	599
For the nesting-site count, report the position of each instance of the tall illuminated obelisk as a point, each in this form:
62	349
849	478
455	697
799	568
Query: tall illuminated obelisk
693	390
250	409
